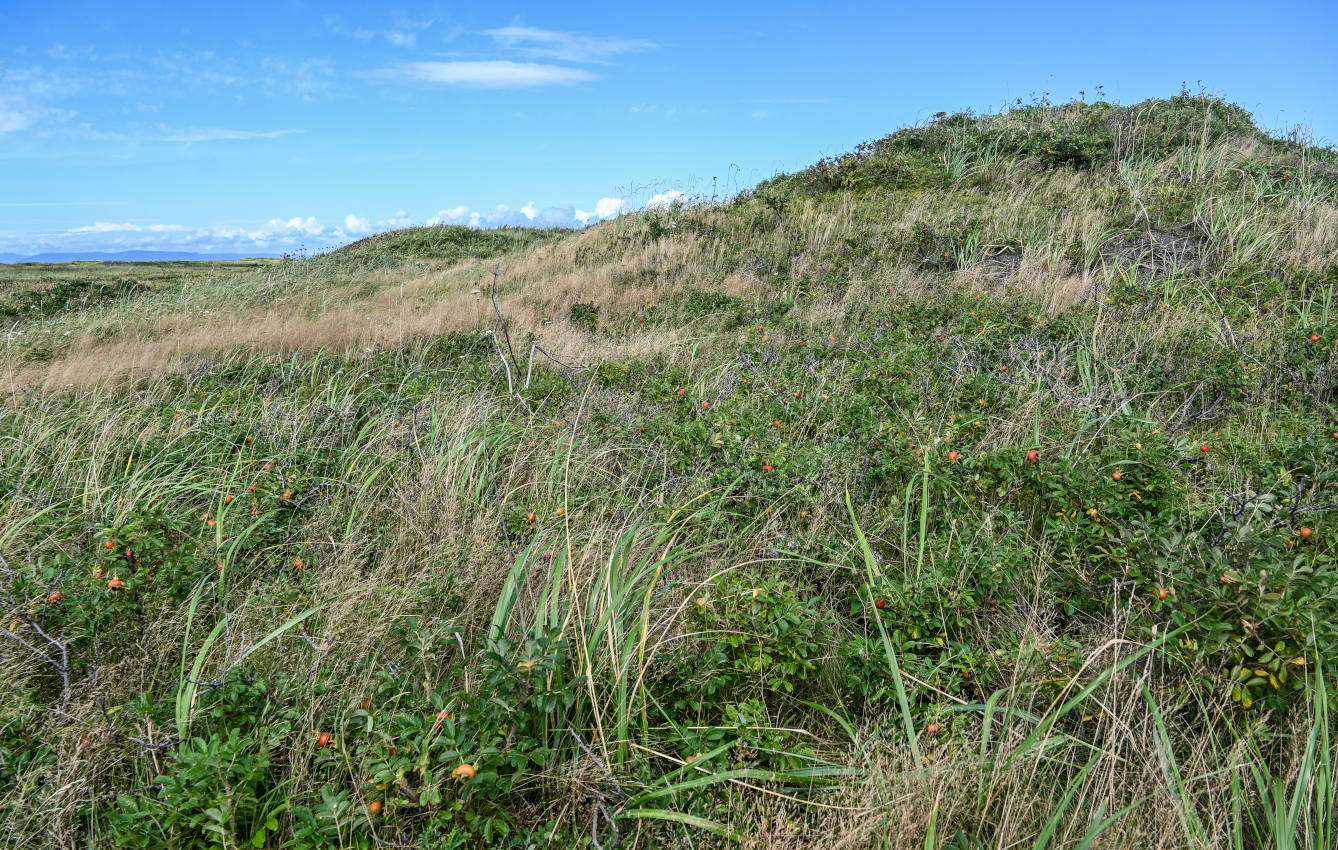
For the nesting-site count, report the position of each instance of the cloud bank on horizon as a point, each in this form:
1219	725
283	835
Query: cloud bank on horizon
298	233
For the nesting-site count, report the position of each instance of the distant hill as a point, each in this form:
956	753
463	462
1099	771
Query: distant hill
125	257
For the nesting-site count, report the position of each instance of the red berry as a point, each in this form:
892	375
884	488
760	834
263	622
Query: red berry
1305	533
1033	455
952	455
1203	449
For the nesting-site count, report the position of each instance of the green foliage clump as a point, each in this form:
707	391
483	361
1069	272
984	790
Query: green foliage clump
1074	135
67	296
443	242
584	315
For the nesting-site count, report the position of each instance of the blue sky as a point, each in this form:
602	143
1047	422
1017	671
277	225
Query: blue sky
264	127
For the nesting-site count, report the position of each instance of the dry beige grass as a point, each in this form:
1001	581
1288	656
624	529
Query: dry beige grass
1053	214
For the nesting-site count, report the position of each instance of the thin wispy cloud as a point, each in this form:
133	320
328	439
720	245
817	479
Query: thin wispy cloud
781	100
490	74
218	134
405	23
152	74
403	31
564	46
140	133
14	120
16	115
128	227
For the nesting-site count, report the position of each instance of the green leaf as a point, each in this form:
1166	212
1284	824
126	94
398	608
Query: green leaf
683	818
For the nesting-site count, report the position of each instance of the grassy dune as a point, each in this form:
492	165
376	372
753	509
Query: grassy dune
974	489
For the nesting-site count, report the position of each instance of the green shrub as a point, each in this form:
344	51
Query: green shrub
223	788
584	315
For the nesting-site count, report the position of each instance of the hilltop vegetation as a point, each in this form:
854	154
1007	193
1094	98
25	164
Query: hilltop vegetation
975	489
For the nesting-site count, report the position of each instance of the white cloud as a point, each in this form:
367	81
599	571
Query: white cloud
277	235
491	74
17	113
398	220
564	46
665	200
455	215
224	234
609	207
12	120
552	217
289	234
296	226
